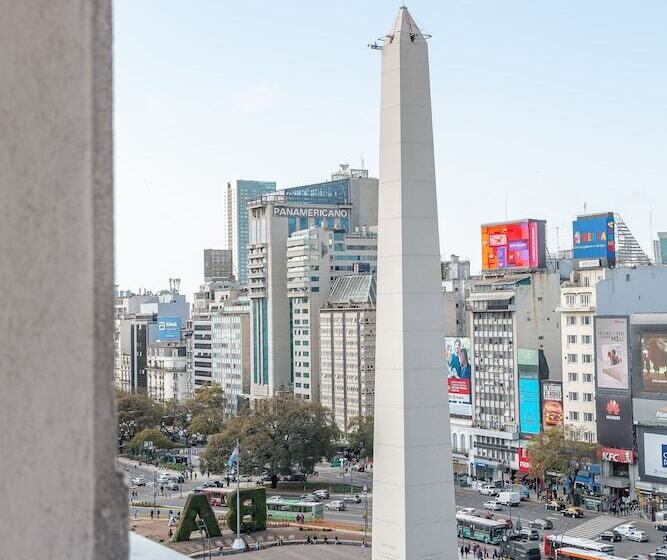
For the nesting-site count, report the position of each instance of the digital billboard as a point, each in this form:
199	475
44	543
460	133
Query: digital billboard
652	454
614	420
594	237
513	245
524	460
459	375
552	404
611	349
168	327
529	405
654	361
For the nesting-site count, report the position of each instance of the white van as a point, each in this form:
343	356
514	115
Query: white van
488	489
509	498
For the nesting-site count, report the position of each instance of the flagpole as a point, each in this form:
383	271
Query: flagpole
238	543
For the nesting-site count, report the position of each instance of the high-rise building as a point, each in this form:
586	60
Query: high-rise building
217	264
455	287
660	248
167	376
315	257
235	211
337	205
347	349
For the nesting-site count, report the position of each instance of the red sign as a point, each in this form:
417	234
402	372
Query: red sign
617	455
524	460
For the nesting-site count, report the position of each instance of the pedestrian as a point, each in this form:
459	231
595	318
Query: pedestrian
257	545
136	512
326	540
151	514
336	540
462	550
158	514
171	533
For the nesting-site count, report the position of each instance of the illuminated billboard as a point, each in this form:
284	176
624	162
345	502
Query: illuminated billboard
168	328
654	361
459	375
611	349
594	238
511	245
529	405
552	404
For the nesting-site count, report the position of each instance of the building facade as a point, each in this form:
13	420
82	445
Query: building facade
236	196
660	248
455	287
218	264
167	375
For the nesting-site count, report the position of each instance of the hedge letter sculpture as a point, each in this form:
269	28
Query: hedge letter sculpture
256	510
196	504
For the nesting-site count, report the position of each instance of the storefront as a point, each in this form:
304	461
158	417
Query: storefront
486	470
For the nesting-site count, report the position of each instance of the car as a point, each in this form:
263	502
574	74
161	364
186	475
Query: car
554	505
572	512
322	494
309	498
493	505
639	557
274	499
209	484
530	534
336	505
198	489
488	490
163	477
625	528
637	536
352	499
177	478
469	510
612	536
541	524
139	481
171	485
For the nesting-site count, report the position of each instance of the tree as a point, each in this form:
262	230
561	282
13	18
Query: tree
136	412
156	437
561	451
281	436
360	435
176	420
207	409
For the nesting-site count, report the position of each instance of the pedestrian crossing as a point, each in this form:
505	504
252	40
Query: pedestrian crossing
593	527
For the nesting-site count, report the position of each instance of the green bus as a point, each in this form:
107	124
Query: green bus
480	529
281	509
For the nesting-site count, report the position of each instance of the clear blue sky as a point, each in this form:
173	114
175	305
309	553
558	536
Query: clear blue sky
548	103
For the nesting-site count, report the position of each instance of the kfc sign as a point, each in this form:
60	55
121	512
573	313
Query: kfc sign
617	455
524	460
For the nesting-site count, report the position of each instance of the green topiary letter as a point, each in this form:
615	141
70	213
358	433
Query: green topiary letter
256	509
196	504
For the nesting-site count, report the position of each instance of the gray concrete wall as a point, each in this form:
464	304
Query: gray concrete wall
61	494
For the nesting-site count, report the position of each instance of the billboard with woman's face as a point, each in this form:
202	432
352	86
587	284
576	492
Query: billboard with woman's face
459	375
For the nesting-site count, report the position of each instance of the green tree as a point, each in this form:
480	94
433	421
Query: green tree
156	437
207	409
176	420
136	412
281	436
360	435
562	452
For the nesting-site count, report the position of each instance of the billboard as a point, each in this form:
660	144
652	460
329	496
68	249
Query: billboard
594	238
552	404
529	405
524	460
310	212
645	411
615	455
514	245
459	375
611	353
652	454
614	420
654	361
168	327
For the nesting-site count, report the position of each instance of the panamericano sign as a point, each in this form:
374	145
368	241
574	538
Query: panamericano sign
310	212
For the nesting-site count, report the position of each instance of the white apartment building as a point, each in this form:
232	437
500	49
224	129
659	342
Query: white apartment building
455	287
230	351
347	349
315	257
167	376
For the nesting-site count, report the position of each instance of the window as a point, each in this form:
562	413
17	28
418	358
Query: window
585	320
570	300
588	416
572	358
574	415
584	299
571	338
588	378
586	338
587	358
571	320
573	376
573	396
588	397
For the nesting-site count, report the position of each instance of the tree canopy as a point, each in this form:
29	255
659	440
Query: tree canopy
360	435
207	410
282	435
156	437
557	451
136	412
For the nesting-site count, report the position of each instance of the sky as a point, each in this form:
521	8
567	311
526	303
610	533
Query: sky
540	109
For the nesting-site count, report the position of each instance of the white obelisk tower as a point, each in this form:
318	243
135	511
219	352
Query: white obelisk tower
413	489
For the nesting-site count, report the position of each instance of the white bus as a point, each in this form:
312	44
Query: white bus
554	542
480	529
571	553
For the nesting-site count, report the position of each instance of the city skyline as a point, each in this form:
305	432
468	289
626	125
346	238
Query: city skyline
200	102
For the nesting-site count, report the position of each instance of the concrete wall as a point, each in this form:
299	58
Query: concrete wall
632	290
61	494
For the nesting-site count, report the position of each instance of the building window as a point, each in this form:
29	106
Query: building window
588	397
573	396
588	378
584	299
574	415
586	320
571	338
573	376
570	300
588	416
572	358
571	320
587	358
586	338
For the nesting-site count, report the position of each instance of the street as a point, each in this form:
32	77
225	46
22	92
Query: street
588	527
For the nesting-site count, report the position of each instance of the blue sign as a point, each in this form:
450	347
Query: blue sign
168	327
664	455
529	405
594	237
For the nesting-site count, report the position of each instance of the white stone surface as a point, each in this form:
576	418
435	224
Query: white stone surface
413	489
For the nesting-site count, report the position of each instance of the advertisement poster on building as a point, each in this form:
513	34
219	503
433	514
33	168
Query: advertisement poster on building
529	405
652	454
524	460
611	344
459	375
168	328
593	237
654	361
552	404
614	420
513	245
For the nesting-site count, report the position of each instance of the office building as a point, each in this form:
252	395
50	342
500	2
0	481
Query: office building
455	287
660	248
236	196
337	205
167	376
217	264
230	351
347	349
315	257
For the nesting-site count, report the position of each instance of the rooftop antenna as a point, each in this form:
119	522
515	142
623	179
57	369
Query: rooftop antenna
362	161
558	239
585	207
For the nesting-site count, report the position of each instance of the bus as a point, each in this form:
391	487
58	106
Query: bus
480	529
554	542
571	553
215	496
280	509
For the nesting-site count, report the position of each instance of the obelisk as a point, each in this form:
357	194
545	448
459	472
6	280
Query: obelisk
413	489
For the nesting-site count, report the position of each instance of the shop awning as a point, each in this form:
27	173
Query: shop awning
614	481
